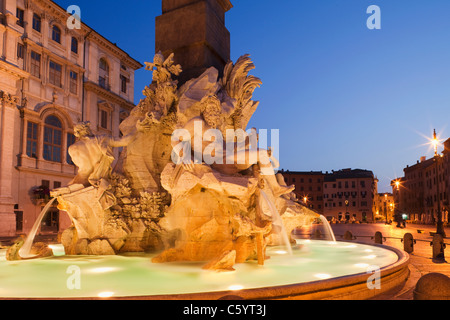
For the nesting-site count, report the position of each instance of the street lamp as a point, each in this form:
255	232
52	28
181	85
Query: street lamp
397	200
439	223
347	214
385	207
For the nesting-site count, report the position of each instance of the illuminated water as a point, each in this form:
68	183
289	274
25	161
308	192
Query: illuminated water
276	218
24	252
104	276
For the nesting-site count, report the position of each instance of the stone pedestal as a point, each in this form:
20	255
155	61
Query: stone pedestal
194	30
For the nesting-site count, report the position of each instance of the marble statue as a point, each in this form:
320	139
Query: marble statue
191	183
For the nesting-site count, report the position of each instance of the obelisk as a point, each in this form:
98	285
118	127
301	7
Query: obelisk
194	30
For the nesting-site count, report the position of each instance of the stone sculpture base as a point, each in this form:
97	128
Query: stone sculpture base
219	219
96	230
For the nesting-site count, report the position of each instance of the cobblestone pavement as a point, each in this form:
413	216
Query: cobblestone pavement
421	261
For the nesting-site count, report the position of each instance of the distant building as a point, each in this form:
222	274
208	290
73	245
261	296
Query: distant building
308	187
346	195
424	188
349	195
51	77
384	207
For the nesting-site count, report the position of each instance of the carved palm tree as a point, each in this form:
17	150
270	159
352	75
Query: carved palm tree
240	86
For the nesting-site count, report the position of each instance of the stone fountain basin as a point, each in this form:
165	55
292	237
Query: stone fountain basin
318	270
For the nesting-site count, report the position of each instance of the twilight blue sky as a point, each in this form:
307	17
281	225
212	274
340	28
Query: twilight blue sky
343	96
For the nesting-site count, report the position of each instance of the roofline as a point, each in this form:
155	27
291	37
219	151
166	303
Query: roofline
136	64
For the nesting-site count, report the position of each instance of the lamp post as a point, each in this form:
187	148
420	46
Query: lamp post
397	199
439	223
385	208
347	214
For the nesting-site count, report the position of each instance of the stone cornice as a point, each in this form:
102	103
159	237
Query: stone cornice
108	95
48	171
12	69
226	4
113	48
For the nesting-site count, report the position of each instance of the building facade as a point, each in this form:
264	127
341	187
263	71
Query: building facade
384	207
349	195
344	195
308	187
424	188
51	77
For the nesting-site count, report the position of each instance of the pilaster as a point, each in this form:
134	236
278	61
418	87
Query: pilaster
7	113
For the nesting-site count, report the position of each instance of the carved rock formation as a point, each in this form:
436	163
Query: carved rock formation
221	213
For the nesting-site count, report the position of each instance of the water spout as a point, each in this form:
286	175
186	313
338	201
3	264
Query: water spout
24	252
327	227
276	220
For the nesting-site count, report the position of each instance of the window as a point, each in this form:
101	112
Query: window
32	139
45	183
70	141
103	119
74	45
103	74
103	64
37	22
123	83
35	66
55	74
56	34
19	220
20	51
52	139
20	14
73	82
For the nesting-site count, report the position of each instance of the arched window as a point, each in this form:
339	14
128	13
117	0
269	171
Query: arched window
52	139
74	45
56	34
103	73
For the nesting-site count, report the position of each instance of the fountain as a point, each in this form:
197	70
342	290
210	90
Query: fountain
25	250
162	225
193	209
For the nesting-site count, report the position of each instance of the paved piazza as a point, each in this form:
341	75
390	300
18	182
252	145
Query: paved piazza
421	261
